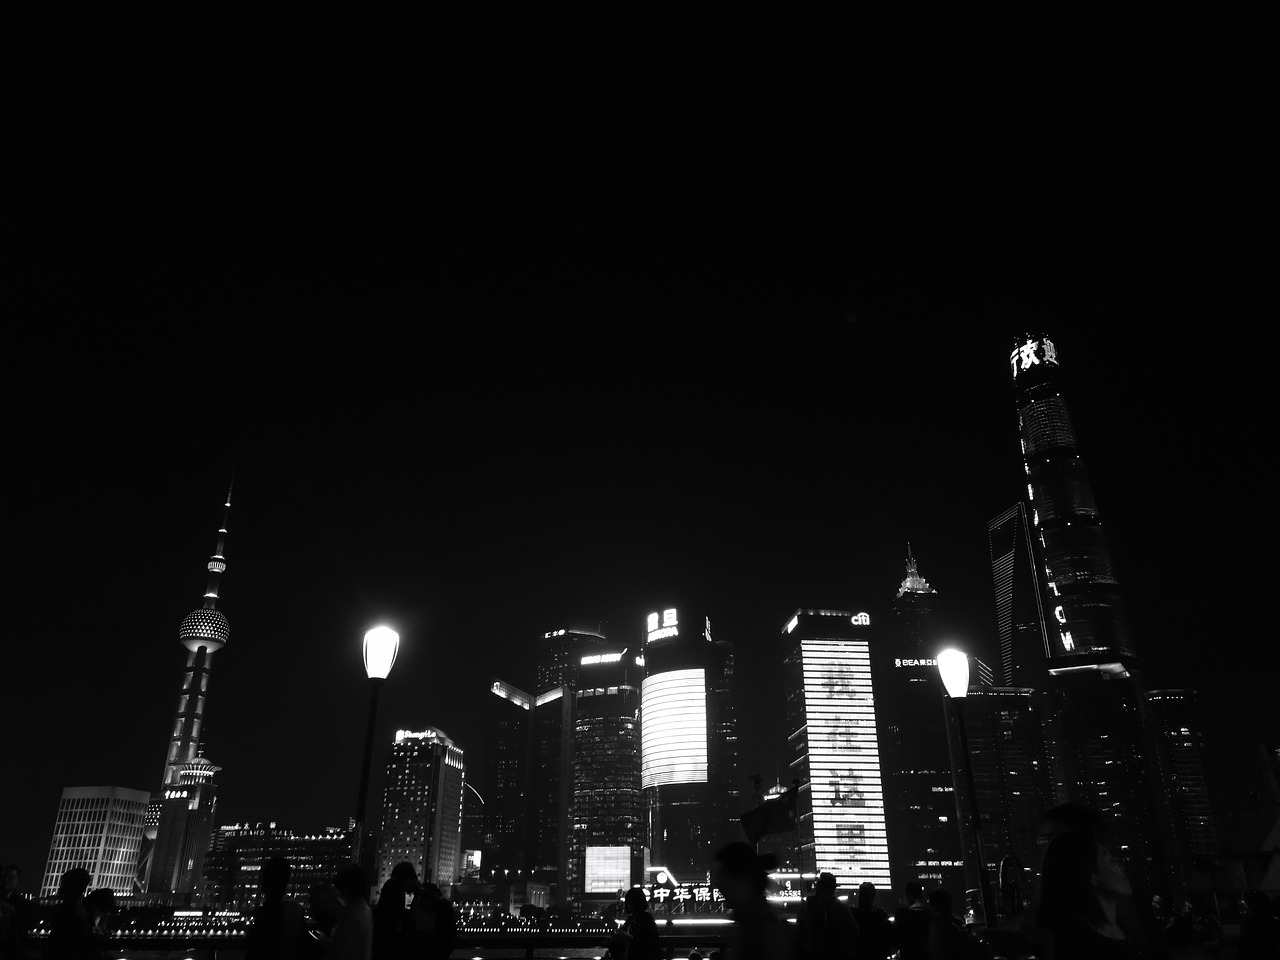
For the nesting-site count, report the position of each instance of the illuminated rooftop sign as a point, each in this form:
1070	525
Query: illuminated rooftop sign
861	619
602	658
1032	353
669	627
427	734
927	662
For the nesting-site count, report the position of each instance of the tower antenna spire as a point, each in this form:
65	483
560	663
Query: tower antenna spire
218	562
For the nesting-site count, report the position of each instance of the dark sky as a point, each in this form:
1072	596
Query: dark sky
509	324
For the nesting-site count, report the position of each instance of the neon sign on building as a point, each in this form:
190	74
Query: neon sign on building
1032	353
670	626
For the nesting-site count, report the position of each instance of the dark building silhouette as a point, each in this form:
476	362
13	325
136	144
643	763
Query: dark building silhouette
1011	781
561	652
1093	694
551	754
1189	831
689	757
1020	614
915	761
507	771
832	736
179	819
233	868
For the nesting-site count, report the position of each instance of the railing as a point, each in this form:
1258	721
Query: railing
469	943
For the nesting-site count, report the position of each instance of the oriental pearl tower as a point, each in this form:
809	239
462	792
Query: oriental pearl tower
180	817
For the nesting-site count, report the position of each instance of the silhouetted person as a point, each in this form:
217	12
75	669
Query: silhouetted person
353	930
911	923
100	904
742	878
825	928
873	924
278	926
395	923
1259	929
1082	885
435	922
70	930
637	938
948	939
22	905
322	913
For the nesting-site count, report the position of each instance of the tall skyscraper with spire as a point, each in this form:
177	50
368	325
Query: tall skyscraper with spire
179	820
1093	691
919	801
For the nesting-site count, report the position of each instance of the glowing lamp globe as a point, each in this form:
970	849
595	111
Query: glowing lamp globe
953	666
380	647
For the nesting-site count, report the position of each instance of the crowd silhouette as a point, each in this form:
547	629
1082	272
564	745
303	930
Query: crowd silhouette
1083	907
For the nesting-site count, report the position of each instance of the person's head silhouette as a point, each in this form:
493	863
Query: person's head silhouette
275	878
866	894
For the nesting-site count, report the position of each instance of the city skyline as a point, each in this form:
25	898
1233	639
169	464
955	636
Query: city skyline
580	350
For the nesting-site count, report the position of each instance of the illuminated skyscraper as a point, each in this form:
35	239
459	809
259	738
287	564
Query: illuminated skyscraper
1093	693
831	718
688	747
606	811
422	808
1189	830
1084	597
920	815
1020	614
100	830
180	818
233	870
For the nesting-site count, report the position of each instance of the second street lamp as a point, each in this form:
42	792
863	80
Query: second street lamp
953	666
380	647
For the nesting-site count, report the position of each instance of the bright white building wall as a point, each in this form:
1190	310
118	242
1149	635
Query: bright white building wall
100	830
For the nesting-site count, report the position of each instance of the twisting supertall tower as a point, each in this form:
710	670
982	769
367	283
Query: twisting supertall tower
180	818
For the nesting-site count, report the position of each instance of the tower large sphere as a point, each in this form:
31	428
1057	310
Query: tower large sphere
204	628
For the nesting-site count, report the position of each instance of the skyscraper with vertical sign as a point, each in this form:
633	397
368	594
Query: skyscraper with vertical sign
831	722
1093	692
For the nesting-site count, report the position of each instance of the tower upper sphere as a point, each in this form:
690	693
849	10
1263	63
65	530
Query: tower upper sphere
204	628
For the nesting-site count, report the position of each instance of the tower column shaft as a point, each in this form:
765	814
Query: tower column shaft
186	728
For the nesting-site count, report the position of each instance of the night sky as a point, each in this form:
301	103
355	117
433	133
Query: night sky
505	324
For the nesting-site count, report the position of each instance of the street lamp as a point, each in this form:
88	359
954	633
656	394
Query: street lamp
953	667
380	647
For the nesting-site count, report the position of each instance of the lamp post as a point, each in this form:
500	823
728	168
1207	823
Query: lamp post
380	647
953	666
